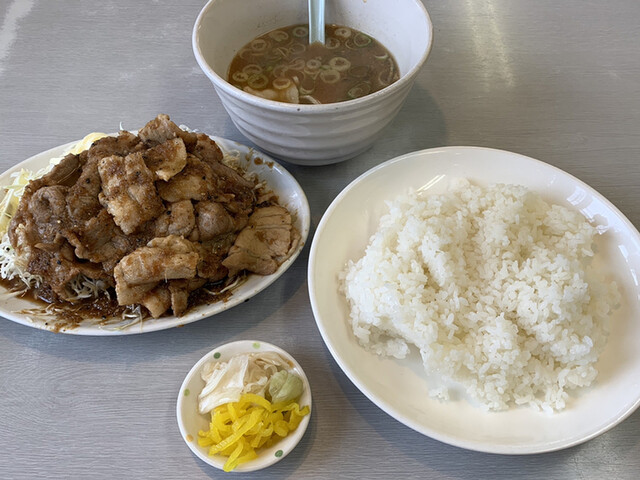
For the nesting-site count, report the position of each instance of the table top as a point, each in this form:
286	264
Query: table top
557	81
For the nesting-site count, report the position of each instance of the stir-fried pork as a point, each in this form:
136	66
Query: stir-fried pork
166	159
128	191
164	258
178	219
156	215
267	240
161	129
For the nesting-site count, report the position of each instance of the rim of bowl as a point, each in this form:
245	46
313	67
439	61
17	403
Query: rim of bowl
298	108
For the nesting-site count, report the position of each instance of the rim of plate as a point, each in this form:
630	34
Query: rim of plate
283	447
390	408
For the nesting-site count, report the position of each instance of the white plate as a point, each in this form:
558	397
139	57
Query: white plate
289	193
398	386
190	422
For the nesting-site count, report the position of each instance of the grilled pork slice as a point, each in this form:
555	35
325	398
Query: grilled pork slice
178	219
144	276
206	149
213	220
121	145
62	175
166	159
266	241
212	253
161	129
82	198
100	240
164	258
128	191
179	290
196	181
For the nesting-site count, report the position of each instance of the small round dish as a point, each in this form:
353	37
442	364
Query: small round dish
400	387
190	421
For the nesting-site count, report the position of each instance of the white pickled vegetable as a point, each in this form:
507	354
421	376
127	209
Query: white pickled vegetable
243	373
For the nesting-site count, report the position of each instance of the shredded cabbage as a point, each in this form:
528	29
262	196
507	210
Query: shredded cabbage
10	265
243	373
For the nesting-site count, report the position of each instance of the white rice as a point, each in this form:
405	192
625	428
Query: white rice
494	288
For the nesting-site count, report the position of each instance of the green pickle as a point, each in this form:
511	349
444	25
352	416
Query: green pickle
285	386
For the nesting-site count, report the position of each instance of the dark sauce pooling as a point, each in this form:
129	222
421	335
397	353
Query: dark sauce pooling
281	65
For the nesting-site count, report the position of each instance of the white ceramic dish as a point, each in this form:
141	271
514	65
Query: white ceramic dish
289	192
190	422
399	386
311	134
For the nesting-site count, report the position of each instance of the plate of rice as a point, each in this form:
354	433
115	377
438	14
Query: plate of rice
483	298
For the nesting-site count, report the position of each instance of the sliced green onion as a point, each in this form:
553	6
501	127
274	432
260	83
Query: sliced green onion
382	57
343	32
281	83
360	90
349	44
300	31
332	43
330	76
387	77
340	64
279	36
361	40
258	81
259	45
245	54
240	77
313	64
252	69
297	49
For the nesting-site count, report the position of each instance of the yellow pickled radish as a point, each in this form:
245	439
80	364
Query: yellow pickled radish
237	429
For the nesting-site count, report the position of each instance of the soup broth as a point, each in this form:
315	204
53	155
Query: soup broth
281	65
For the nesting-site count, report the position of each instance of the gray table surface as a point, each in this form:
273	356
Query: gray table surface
555	80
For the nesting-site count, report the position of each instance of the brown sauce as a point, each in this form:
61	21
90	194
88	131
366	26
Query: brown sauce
66	315
281	65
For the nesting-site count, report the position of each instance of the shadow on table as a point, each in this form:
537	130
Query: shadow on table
607	456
